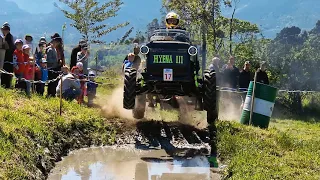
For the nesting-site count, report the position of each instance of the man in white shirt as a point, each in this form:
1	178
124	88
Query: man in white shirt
70	85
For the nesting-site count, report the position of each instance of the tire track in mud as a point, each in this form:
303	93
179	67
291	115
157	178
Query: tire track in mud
175	138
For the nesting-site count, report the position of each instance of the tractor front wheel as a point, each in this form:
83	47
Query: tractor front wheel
210	96
129	92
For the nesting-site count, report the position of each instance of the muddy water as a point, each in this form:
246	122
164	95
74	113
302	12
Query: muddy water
128	163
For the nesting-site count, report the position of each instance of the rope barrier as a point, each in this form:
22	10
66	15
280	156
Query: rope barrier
221	89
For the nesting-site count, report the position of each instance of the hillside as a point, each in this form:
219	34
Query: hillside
50	22
271	15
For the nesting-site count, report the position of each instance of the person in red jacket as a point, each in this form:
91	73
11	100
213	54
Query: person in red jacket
18	63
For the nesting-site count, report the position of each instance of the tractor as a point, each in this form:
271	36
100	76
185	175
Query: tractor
171	69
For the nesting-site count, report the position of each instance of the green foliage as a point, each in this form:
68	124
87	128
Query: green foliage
89	18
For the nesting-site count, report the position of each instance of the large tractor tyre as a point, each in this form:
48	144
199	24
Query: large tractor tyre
129	92
140	106
210	96
174	102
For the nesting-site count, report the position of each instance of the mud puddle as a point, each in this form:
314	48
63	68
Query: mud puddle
129	163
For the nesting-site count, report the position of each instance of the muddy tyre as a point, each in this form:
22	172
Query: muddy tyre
140	107
129	91
210	96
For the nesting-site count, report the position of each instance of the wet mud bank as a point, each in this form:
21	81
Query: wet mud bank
177	140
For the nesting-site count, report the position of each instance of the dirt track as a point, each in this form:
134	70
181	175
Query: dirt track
175	138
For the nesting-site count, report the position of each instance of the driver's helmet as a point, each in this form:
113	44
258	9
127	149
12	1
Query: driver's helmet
172	20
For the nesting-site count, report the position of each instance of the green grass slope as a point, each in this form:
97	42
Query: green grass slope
288	150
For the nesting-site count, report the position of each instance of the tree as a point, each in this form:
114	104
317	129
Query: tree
89	16
140	36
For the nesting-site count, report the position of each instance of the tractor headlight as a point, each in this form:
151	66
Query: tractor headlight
192	51
144	49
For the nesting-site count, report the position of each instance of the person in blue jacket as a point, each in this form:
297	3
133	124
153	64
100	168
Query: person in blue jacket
43	76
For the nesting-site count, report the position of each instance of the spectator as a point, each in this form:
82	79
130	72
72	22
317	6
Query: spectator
82	82
214	66
91	88
39	54
43	43
30	72
230	74
28	41
82	57
6	79
28	68
53	66
59	49
43	76
137	59
18	61
75	51
128	62
262	76
70	85
245	76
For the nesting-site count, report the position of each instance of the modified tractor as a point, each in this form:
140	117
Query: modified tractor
171	69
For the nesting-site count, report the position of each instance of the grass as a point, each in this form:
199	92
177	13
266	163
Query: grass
33	135
288	150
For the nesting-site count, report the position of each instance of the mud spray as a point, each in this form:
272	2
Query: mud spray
112	105
229	108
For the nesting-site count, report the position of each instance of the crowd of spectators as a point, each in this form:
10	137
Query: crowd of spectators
33	66
229	76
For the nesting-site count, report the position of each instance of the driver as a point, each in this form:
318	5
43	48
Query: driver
172	21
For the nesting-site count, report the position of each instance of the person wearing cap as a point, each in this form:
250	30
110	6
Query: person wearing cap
82	57
18	63
262	76
91	88
70	84
82	77
29	68
59	49
74	53
43	76
6	79
53	66
245	76
39	54
29	41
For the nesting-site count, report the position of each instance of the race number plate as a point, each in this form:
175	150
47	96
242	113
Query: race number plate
167	74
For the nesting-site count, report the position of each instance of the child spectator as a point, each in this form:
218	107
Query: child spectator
30	72
127	63
82	82
18	60
39	54
43	76
82	57
70	84
29	68
91	88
